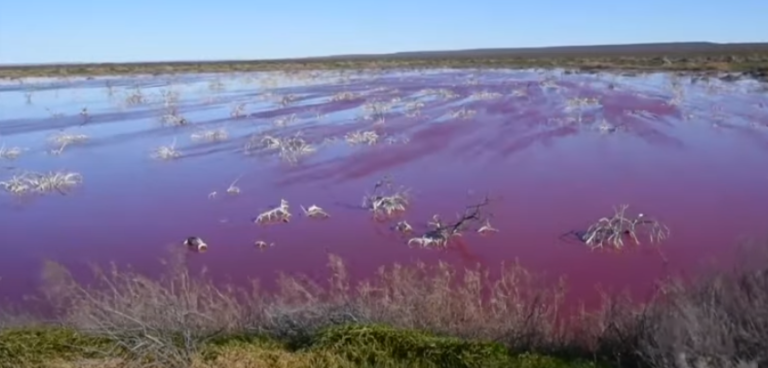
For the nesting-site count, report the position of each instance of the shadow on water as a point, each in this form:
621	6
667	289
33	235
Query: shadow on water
526	144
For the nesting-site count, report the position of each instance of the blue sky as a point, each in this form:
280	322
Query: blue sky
42	31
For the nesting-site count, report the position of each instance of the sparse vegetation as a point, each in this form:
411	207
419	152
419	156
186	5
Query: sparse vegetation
291	148
262	245
368	137
345	96
61	182
315	212
385	200
613	231
463	113
9	153
406	315
284	121
173	117
377	111
168	152
441	232
278	214
752	59
238	111
415	315
233	189
210	135
135	97
64	139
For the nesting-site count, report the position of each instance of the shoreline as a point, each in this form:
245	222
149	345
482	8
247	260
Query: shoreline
751	63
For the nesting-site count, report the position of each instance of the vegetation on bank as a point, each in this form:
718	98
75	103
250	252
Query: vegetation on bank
406	316
753	63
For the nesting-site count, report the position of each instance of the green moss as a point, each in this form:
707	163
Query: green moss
378	344
30	346
215	347
362	346
542	361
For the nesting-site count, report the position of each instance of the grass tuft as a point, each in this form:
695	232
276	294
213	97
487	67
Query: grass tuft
9	153
168	152
42	183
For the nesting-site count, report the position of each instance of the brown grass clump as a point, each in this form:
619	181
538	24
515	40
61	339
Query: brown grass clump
718	320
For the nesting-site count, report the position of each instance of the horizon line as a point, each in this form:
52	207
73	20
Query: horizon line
567	48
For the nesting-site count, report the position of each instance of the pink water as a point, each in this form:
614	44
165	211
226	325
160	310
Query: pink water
700	166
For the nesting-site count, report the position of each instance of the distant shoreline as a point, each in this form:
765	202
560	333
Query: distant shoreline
750	59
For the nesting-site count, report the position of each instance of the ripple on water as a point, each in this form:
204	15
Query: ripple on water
699	165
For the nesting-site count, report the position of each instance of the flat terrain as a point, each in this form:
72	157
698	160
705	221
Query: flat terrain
743	58
292	172
554	152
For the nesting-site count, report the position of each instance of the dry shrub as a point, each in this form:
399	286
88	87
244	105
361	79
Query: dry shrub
614	331
169	319
516	308
720	320
164	321
717	320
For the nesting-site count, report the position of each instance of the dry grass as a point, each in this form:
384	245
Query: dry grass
135	97
233	189
184	319
9	153
42	183
315	212
279	214
441	232
170	319
210	135
486	95
284	121
238	111
413	109
386	201
613	231
173	117
359	137
462	113
291	149
63	139
168	152
377	111
345	96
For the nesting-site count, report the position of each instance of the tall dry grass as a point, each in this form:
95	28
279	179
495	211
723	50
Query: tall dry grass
718	321
170	318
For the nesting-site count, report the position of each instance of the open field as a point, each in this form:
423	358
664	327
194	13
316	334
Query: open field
749	59
274	171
